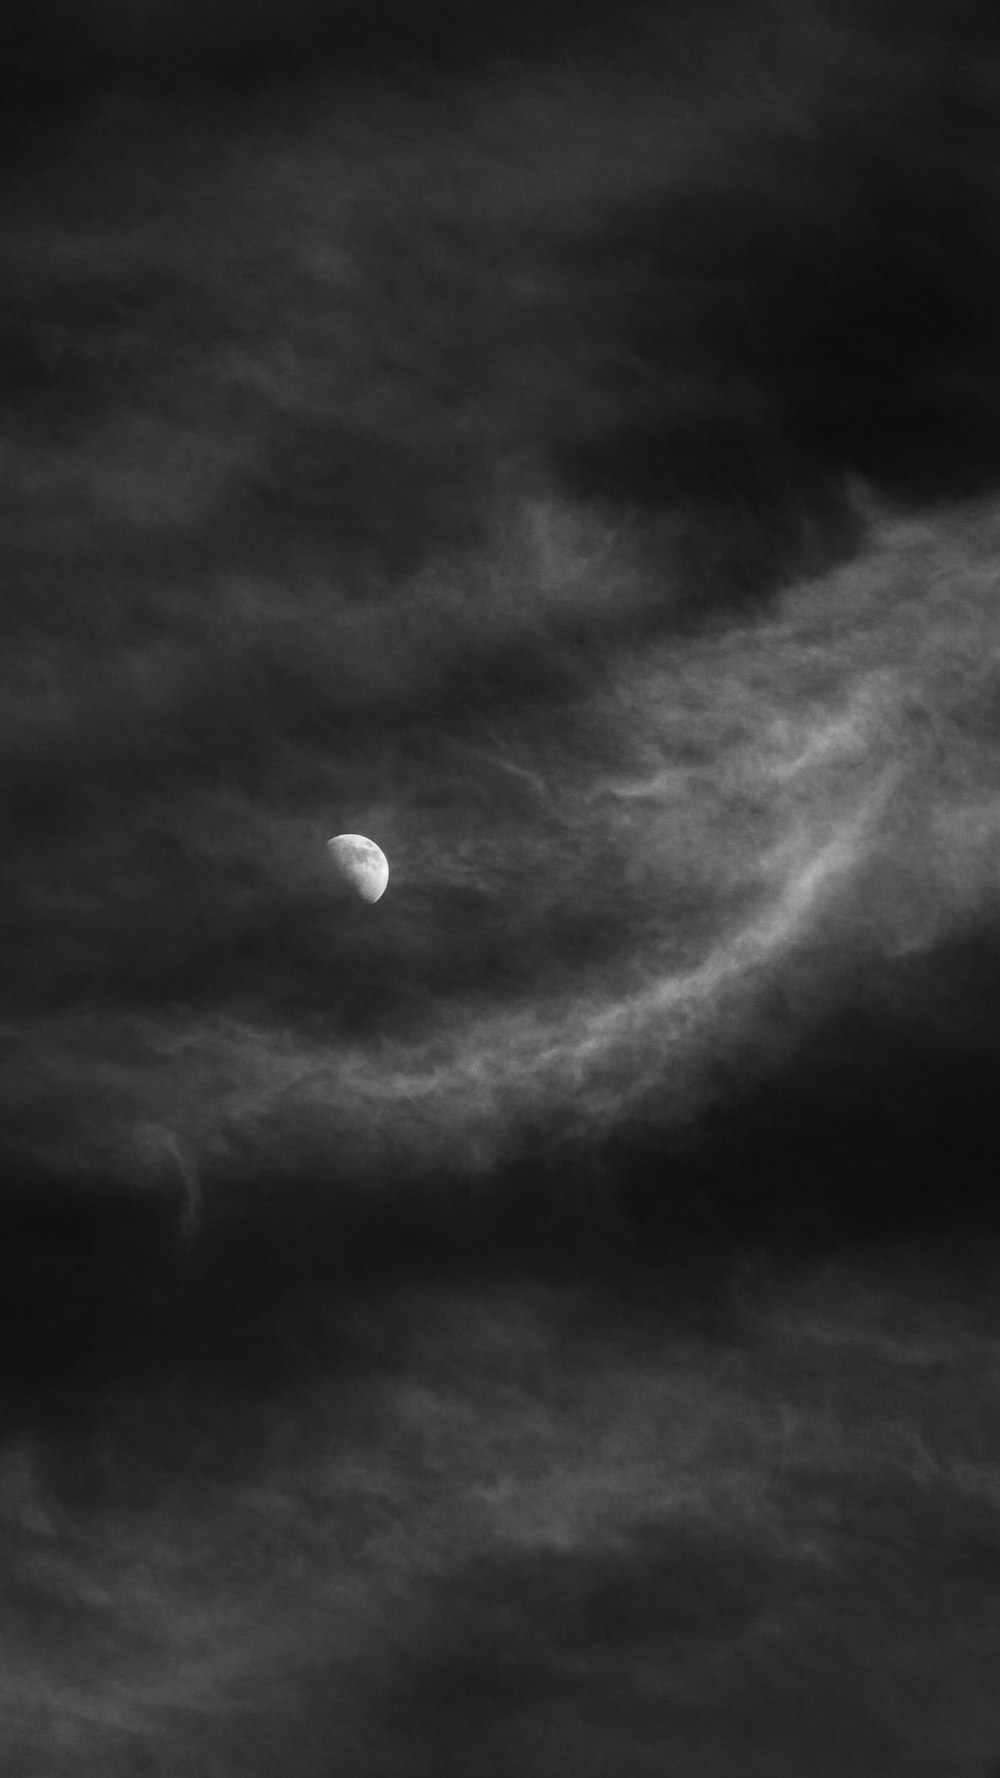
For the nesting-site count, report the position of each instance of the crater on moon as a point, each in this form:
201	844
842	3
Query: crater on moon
360	863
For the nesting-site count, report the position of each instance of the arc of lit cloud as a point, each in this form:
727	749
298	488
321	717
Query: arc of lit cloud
152	1142
463	1096
520	1052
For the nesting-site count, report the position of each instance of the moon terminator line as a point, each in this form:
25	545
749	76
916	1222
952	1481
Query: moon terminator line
360	864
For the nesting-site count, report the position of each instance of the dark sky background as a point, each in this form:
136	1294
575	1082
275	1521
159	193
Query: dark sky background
569	457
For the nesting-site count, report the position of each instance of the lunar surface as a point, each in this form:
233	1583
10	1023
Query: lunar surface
360	863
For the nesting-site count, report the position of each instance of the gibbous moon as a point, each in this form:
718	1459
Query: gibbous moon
360	863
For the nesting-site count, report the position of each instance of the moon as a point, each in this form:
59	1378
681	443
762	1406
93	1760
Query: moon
360	863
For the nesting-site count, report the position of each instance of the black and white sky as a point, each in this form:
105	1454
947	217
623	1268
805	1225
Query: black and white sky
566	452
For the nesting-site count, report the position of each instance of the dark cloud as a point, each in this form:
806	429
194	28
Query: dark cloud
578	474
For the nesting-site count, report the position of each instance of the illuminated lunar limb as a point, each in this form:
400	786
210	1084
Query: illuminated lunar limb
361	864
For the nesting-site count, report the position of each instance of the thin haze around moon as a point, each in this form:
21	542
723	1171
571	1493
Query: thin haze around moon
360	863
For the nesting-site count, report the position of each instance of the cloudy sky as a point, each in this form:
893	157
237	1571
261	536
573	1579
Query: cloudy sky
493	467
570	460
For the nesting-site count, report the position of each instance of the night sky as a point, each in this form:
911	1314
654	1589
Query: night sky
543	1321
